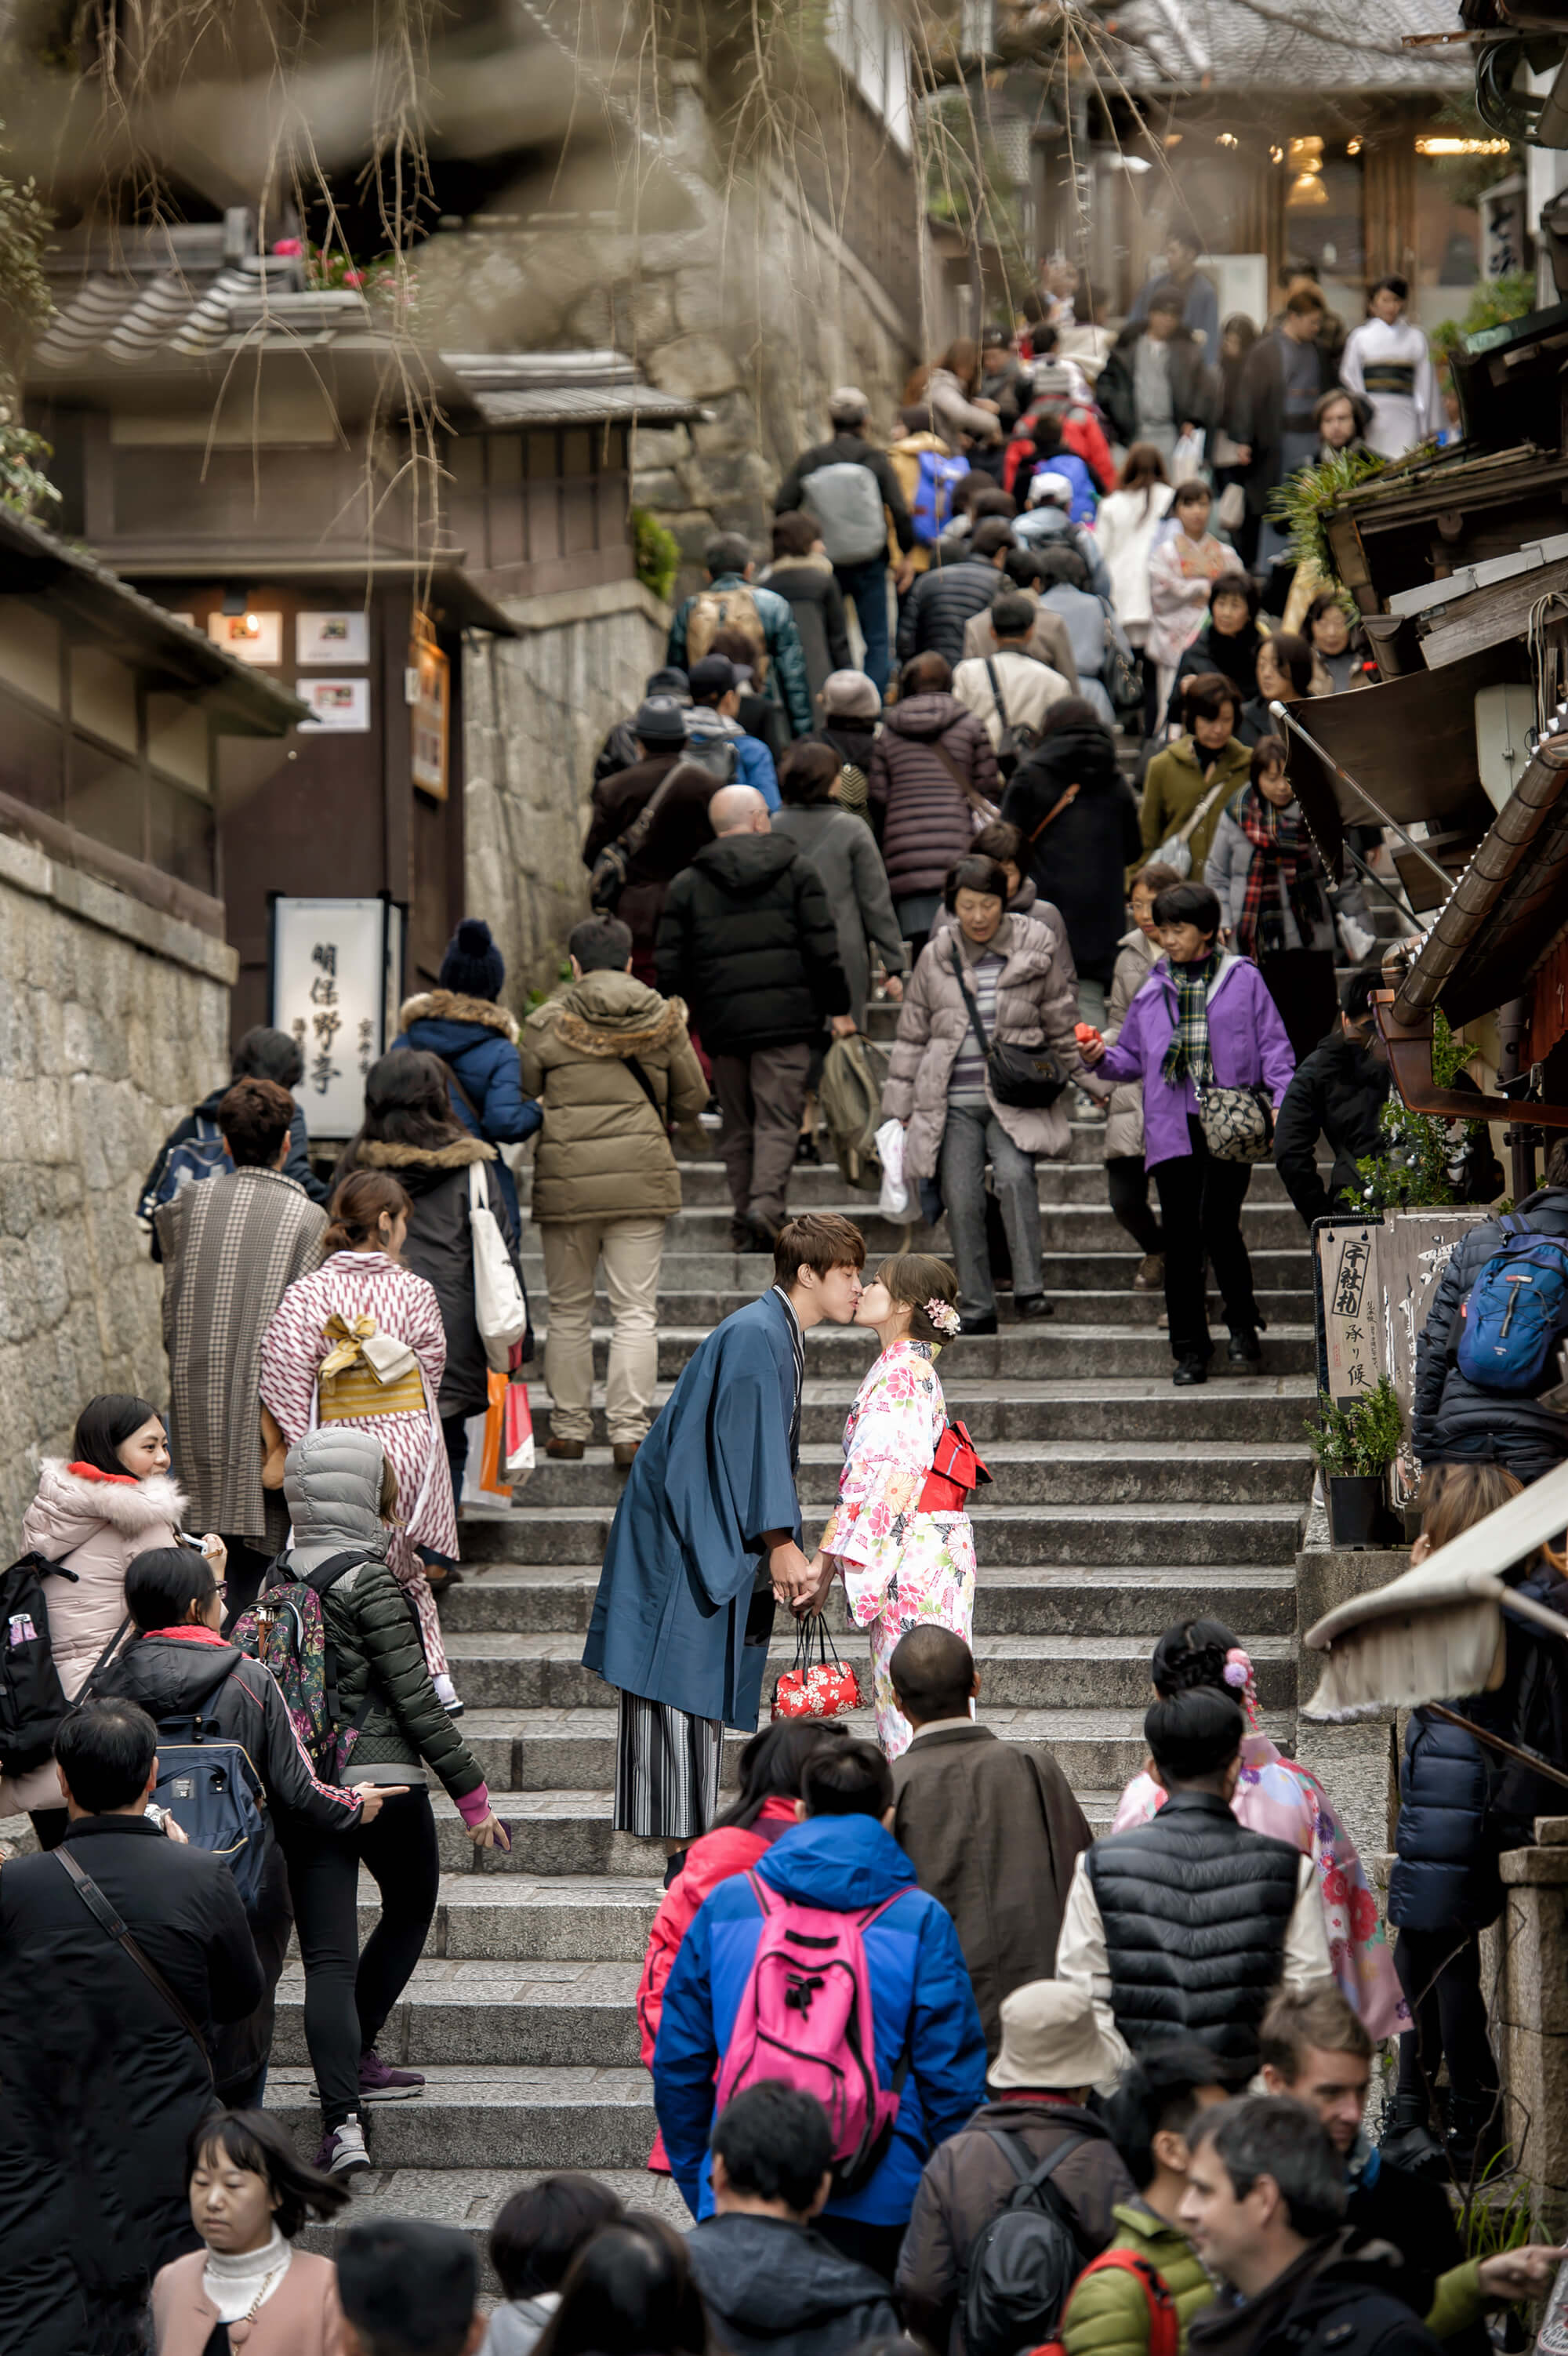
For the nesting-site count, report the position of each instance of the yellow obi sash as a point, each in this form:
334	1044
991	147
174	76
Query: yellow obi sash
351	1387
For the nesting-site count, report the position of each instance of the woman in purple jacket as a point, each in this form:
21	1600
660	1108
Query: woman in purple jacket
1202	1019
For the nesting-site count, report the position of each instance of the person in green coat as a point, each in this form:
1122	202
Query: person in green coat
1190	782
1108	2312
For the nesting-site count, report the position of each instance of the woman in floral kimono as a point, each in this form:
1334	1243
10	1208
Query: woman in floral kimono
326	1357
901	1561
1277	1796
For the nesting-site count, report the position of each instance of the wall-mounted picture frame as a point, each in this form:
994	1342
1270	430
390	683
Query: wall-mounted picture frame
330	640
339	705
255	638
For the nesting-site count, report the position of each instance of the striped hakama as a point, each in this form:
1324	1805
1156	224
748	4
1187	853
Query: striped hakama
667	1770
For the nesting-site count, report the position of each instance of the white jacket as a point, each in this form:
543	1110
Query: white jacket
1029	688
1126	528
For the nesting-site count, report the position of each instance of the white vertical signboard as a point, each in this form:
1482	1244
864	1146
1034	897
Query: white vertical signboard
333	983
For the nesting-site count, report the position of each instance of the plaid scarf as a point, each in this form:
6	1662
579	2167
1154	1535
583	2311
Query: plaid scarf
1280	854
1187	1058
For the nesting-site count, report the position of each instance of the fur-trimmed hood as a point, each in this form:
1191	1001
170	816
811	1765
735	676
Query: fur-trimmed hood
69	1501
452	1006
370	1153
613	1015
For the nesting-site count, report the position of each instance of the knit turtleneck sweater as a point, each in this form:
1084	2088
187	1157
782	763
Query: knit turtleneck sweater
233	2278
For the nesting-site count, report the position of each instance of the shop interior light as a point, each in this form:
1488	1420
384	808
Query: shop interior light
1226	139
1434	143
1352	147
1307	190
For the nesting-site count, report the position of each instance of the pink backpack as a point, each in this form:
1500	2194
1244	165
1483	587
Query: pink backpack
804	2017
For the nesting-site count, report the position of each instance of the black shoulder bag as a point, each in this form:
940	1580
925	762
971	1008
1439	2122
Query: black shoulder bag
1027	1077
103	1913
611	868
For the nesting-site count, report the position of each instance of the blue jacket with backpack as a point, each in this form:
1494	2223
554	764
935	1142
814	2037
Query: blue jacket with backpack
1455	1419
920	1992
195	1150
476	1040
1445	1875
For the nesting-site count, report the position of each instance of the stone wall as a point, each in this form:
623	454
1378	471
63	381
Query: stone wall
536	710
113	1021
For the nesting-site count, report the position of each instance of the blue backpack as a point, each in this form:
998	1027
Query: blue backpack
213	1793
205	1155
932	509
1517	1308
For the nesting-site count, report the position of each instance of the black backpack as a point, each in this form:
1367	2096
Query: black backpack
1025	2262
32	1698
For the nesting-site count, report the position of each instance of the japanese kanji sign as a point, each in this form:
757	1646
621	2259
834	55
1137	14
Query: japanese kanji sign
335	985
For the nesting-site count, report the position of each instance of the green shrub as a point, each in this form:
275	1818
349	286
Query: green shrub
1362	1437
658	552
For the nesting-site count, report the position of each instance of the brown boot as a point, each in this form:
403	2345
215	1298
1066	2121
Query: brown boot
569	1448
1150	1275
625	1451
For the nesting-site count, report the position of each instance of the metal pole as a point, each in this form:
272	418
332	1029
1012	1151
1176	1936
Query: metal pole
1530	1759
1282	711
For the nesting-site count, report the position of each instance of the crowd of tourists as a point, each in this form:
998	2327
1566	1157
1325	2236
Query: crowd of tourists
1036	2088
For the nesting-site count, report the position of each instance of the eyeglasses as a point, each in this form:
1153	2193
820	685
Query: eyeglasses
221	1590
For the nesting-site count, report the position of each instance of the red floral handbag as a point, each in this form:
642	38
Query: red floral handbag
819	1688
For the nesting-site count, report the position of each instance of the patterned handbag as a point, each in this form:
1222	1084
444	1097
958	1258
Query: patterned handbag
821	1688
1237	1124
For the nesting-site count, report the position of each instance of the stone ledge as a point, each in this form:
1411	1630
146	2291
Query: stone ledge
27	869
1539	1868
558	607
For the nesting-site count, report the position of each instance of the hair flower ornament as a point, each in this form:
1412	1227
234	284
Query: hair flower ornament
943	1316
1241	1679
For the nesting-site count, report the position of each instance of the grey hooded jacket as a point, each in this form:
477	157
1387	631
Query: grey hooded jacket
332	1482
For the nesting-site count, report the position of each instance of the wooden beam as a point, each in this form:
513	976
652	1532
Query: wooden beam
1485	618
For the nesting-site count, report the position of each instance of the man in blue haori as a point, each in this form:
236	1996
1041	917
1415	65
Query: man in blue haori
707	1538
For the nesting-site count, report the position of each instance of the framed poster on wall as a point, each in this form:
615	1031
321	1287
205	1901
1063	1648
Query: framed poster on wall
343	704
330	640
429	675
334	982
251	638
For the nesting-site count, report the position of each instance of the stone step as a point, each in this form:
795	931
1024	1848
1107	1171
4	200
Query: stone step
514	1671
1063	1227
822	1187
1069	1601
1121	1307
1101	1534
488	2115
470	2198
1024	1473
568	1748
1067	1348
750	1273
1119	1412
525	2014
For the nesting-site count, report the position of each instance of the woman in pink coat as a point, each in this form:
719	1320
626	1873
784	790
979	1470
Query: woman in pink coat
250	2287
93	1515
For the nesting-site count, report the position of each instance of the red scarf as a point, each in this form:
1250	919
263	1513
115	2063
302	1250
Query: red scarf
191	1632
91	1473
1280	854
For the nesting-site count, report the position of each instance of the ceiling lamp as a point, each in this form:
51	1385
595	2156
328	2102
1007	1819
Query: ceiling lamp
1305	192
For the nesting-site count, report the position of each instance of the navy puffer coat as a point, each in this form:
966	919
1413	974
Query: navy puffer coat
1445	1875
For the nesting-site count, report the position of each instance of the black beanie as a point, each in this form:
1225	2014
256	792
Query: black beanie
473	966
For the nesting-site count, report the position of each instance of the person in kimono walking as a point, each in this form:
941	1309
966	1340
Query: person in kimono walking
904	1548
326	1359
706	1538
1388	360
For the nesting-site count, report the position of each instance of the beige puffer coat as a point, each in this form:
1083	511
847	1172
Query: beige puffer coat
95	1525
1036	1002
1135	958
603	1152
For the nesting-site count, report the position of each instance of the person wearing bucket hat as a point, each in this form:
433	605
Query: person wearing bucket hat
1053	2052
618	750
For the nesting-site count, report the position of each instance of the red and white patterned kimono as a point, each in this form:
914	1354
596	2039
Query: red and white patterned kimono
368	1284
900	1565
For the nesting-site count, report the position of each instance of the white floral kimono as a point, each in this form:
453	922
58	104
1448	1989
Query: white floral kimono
900	1566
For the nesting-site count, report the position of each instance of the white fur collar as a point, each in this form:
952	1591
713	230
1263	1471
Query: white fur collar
159	1499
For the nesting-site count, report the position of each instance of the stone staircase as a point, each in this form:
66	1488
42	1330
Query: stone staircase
1119	1505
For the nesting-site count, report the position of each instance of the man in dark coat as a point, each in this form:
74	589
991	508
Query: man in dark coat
680	825
990	1828
1156	384
774	2286
862	575
1337	1093
1284	375
1052	2054
748	940
1185	1926
1455	1420
800	572
1079	823
944	599
1266	2207
103	2079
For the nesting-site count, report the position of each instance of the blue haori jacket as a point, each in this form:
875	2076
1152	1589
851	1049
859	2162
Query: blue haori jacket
920	1995
714	1472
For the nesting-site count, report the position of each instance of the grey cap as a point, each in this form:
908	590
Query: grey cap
660	720
847	404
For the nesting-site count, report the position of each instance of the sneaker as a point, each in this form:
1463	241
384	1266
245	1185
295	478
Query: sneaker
379	2082
1150	1275
342	2153
1087	1107
446	1695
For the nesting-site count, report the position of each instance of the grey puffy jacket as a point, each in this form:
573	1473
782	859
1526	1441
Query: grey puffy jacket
332	1482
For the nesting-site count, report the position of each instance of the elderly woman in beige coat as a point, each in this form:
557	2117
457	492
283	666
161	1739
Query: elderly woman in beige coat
1010	970
612	1066
1127	1179
92	1516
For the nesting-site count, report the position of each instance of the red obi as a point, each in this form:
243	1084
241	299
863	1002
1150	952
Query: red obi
956	1471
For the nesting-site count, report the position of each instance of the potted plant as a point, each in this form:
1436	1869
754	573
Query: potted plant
1354	1446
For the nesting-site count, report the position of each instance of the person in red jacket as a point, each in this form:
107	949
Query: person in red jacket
1056	395
770	1766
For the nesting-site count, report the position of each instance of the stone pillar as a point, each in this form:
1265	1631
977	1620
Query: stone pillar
1529	2016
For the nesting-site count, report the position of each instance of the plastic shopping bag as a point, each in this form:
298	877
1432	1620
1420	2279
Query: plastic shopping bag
1187	460
894	1201
517	1433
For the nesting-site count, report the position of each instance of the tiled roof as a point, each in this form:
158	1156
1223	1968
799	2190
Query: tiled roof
573	388
1287	45
129	319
